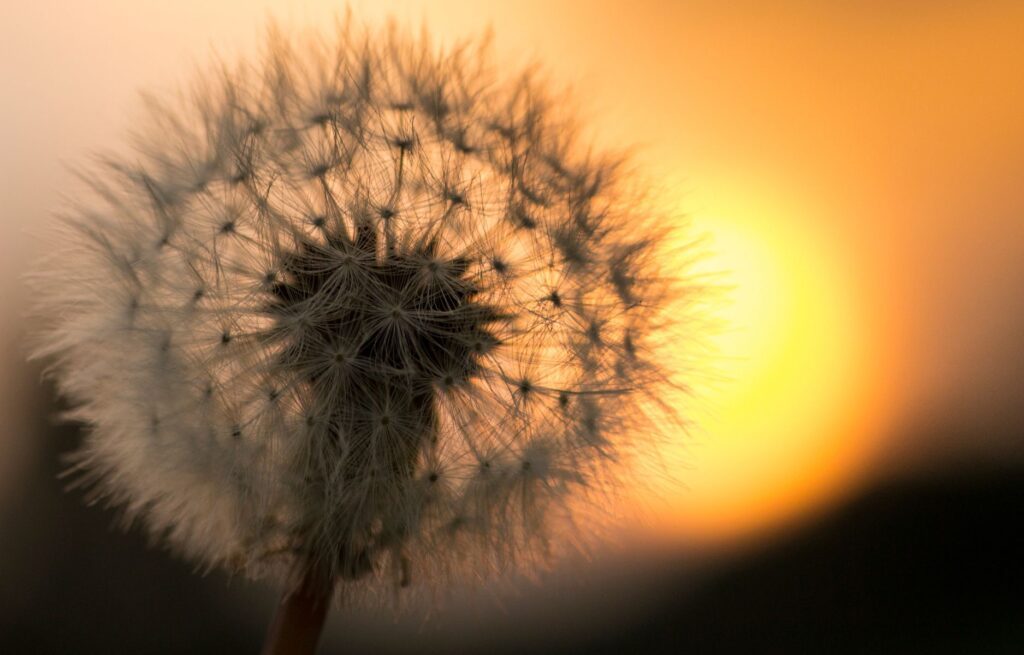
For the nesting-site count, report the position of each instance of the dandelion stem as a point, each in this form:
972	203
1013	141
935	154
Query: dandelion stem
300	616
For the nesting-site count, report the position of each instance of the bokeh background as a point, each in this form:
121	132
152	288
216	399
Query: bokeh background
854	172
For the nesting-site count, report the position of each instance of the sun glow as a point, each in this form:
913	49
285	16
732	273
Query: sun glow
784	425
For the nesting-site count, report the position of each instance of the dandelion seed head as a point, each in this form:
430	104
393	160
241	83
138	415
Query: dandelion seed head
364	304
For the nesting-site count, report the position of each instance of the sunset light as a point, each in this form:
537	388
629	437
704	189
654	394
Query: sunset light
779	435
525	326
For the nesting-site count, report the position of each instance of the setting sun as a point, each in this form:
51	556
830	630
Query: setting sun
780	436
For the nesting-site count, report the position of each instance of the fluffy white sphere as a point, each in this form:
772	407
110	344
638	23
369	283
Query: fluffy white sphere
364	307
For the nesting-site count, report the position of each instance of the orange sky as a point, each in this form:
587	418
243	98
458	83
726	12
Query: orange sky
857	166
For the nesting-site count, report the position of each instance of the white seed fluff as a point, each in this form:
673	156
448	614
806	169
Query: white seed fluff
364	304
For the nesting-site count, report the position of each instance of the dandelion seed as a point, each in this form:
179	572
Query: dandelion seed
327	371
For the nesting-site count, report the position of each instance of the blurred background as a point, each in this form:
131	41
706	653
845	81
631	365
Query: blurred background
856	473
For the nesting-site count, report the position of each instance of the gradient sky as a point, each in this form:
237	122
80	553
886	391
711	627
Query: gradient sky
857	167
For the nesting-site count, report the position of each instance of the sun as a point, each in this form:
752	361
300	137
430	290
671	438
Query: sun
783	425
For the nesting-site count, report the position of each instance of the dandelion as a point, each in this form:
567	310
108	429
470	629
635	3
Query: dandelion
363	315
